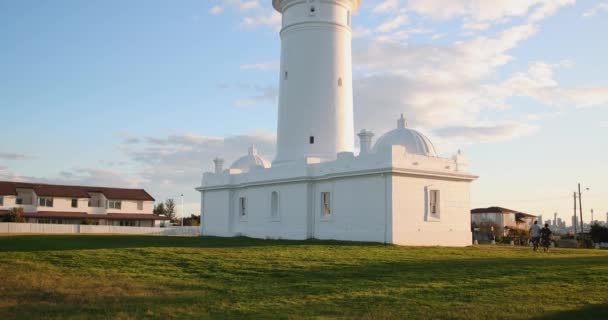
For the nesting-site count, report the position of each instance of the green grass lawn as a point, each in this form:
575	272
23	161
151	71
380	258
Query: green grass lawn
135	277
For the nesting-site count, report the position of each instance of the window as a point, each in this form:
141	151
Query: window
348	18
242	206
274	205
311	139
312	10
19	200
140	205
94	203
45	202
339	82
285	75
74	203
114	204
1	201
434	203
325	204
128	223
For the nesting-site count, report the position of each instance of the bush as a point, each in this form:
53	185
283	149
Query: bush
599	233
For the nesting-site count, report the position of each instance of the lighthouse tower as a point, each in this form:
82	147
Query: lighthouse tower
315	92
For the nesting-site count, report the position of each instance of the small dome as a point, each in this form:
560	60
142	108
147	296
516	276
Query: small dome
252	159
414	141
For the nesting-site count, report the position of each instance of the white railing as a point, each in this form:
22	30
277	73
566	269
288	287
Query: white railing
89	229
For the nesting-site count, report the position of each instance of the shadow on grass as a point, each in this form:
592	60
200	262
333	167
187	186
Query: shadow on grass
33	243
589	312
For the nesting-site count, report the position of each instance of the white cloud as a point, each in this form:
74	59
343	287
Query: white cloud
15	156
241	5
479	15
485	133
595	10
393	24
261	66
79	176
538	82
265	95
386	6
215	10
271	20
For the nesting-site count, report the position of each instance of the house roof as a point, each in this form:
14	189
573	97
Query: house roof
500	210
84	215
52	190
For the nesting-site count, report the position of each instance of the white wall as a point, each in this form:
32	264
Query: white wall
359	208
411	223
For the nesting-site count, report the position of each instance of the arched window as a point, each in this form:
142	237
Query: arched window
274	205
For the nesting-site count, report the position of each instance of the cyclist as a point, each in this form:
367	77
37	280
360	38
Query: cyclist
535	235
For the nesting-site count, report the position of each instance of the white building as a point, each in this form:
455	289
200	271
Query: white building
61	204
396	191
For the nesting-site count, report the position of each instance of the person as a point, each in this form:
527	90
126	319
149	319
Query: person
535	235
545	235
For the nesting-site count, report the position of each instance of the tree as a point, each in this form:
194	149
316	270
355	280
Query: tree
170	210
193	221
14	215
160	209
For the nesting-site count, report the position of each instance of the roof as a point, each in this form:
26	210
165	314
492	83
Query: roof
52	190
413	141
500	210
251	160
84	215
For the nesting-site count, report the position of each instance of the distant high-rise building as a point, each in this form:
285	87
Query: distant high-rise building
555	219
540	219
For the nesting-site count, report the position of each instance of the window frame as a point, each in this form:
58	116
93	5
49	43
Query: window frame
115	204
140	205
326	206
434	205
74	203
242	207
1	201
275	206
46	202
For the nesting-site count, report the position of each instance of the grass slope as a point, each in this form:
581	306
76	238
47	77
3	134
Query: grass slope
134	277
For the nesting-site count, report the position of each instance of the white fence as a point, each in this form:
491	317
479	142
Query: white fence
87	229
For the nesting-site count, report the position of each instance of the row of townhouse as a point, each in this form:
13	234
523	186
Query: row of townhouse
62	204
503	218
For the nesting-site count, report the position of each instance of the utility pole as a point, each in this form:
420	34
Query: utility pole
580	208
574	220
182	209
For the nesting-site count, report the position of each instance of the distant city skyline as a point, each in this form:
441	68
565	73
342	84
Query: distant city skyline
145	93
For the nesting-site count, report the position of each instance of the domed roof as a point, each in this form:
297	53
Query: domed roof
414	141
252	159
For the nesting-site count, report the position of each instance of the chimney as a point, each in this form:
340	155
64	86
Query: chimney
219	165
365	138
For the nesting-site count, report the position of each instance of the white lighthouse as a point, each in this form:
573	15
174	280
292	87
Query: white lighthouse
316	92
397	190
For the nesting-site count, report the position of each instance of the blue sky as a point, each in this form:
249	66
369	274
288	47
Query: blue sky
146	93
